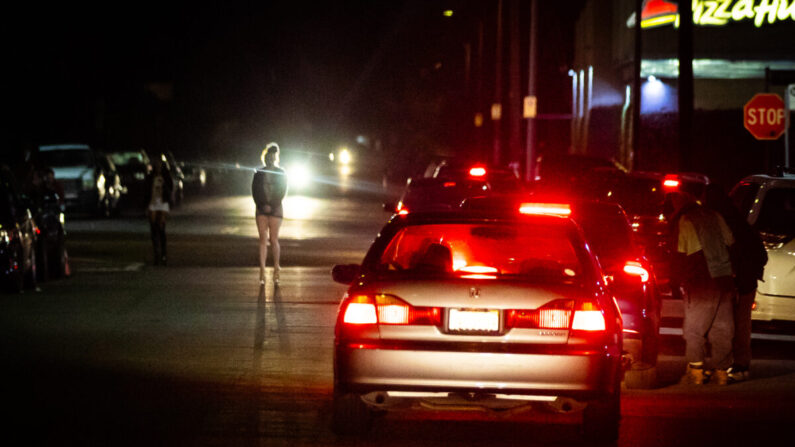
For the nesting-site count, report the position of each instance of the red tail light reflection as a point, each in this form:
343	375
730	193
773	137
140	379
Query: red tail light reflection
636	269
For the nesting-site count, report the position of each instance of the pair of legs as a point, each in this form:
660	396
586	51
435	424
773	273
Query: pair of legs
709	316
157	228
268	228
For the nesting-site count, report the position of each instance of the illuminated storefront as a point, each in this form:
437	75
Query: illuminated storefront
741	47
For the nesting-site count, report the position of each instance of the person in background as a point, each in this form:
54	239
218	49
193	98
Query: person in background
159	197
748	257
268	189
702	268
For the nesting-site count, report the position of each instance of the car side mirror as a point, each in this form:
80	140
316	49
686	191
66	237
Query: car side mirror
345	273
390	207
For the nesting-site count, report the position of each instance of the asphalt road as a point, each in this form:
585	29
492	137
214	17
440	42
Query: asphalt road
197	353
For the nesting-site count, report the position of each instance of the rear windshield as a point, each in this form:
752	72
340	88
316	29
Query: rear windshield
607	231
125	158
66	158
483	250
777	215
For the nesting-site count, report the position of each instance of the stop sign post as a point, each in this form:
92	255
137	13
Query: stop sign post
765	117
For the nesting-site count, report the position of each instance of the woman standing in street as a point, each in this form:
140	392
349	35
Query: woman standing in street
159	196
268	189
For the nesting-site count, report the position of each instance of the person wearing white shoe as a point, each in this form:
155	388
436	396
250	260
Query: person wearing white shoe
268	189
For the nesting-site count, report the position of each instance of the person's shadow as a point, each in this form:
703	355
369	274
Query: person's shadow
261	325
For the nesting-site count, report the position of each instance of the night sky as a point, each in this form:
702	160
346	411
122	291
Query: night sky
219	79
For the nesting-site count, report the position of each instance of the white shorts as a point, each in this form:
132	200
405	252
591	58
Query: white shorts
159	206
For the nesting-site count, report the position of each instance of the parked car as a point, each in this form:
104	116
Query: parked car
89	178
768	201
132	166
17	237
642	196
477	310
42	197
630	275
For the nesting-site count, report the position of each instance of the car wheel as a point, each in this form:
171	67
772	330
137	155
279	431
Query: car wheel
350	415
601	418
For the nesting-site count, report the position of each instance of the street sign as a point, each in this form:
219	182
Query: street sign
764	116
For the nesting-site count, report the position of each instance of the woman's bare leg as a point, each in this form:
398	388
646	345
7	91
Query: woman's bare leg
262	229
274	223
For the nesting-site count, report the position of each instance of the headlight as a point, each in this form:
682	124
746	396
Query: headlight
4	237
139	176
345	156
299	176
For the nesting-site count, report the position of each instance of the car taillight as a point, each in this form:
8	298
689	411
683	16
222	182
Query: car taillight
558	209
388	309
554	315
360	310
477	171
670	182
401	209
636	269
588	317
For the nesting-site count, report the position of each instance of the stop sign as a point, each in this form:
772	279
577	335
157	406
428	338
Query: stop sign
764	116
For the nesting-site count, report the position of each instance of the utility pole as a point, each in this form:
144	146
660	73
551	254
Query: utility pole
514	152
496	117
632	157
686	93
532	80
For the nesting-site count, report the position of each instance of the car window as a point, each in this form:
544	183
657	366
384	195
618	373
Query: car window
777	214
519	250
743	196
124	158
606	230
638	196
66	158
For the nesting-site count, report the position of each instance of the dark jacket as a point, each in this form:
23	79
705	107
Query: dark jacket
748	254
168	188
269	187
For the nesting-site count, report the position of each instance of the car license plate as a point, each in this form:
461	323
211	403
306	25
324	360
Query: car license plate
473	320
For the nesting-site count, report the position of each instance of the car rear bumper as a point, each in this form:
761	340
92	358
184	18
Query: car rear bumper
582	374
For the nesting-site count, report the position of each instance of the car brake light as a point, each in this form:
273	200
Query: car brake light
636	269
477	171
401	209
558	209
671	182
588	318
360	310
387	309
554	315
449	184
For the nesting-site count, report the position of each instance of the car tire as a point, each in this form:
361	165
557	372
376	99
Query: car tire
601	418
350	416
641	376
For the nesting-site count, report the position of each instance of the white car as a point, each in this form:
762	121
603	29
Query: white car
769	203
